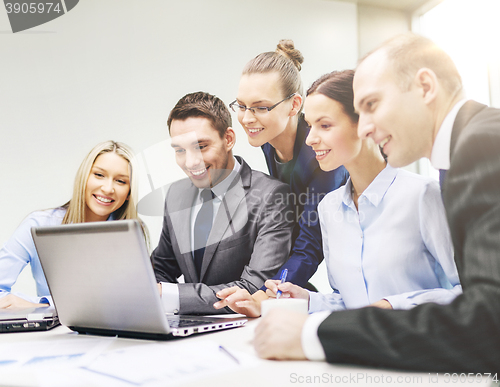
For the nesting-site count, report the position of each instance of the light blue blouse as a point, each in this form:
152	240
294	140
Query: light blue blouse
20	250
396	247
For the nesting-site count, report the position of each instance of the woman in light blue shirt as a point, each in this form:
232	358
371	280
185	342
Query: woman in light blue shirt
105	189
391	246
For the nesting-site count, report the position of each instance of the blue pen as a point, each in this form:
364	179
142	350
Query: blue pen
282	279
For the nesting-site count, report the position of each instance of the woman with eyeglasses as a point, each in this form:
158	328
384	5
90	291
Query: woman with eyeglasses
386	240
105	188
269	108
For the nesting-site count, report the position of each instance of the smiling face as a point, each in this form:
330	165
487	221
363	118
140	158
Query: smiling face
333	135
203	156
264	90
108	186
399	121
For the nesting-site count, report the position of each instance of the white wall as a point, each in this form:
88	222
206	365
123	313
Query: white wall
376	25
113	70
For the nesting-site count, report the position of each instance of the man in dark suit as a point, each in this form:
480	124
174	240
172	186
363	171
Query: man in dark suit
410	100
226	225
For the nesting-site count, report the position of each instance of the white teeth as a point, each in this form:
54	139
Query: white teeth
199	172
321	153
104	200
384	141
255	130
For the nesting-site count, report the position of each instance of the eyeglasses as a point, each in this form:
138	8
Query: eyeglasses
257	110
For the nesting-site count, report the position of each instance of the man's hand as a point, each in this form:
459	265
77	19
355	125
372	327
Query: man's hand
13	302
240	301
288	290
382	304
159	288
278	336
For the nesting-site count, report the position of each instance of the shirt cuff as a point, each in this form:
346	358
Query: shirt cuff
398	302
170	297
310	341
46	300
315	302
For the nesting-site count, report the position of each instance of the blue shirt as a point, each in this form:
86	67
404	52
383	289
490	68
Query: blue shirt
309	184
20	251
396	246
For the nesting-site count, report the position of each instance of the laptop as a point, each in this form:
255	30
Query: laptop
26	320
102	282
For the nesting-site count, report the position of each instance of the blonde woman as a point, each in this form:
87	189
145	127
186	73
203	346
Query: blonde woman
105	189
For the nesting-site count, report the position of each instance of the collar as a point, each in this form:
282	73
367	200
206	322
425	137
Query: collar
221	188
377	189
440	156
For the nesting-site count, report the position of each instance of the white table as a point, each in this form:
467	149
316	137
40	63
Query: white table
264	373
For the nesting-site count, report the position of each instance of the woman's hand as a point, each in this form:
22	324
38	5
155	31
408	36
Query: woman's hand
382	304
240	301
288	290
13	302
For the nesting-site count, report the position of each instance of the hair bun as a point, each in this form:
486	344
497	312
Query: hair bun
287	48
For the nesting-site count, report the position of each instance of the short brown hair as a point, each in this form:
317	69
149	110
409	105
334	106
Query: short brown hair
201	104
286	61
407	53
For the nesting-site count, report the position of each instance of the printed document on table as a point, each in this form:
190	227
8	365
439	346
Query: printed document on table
165	364
67	352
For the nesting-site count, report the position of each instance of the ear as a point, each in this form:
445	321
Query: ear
229	139
296	104
427	81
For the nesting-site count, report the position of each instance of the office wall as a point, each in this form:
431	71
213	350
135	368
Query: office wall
113	69
375	25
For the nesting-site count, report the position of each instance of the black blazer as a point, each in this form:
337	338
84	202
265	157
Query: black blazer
465	335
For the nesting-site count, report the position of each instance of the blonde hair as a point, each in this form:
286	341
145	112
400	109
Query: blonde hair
286	61
76	206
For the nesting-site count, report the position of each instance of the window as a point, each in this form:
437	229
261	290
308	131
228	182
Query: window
469	31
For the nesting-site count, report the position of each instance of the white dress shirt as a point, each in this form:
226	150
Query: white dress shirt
440	156
170	291
396	246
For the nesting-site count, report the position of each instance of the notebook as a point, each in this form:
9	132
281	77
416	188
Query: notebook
102	282
25	320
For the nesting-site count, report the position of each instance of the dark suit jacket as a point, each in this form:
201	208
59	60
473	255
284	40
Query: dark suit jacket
309	184
465	335
249	241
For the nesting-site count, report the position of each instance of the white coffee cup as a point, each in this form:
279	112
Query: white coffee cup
296	304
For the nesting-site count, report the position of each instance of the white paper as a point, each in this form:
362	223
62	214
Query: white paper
67	352
170	363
